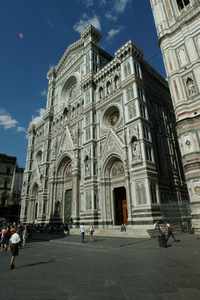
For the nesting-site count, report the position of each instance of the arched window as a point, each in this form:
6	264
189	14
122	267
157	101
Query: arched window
108	88
87	166
127	69
100	92
116	82
36	211
182	3
39	157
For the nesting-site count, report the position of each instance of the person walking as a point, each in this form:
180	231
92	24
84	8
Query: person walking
3	239
14	247
82	231
160	226
92	232
170	232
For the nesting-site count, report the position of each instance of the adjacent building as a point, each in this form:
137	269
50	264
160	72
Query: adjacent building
105	151
178	28
11	178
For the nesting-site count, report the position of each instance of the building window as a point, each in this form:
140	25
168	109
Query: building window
100	93
87	97
127	69
131	110
130	93
143	110
87	133
36	211
87	166
108	88
148	153
116	82
146	133
182	3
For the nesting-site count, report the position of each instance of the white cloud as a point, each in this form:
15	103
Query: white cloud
111	17
120	5
8	122
38	118
80	25
43	93
21	129
113	32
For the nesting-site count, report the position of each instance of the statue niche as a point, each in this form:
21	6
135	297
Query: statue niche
135	148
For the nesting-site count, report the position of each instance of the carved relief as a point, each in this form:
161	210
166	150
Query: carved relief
188	143
112	145
135	148
190	85
117	169
182	56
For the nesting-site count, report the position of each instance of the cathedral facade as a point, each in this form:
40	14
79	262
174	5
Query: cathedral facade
178	28
105	150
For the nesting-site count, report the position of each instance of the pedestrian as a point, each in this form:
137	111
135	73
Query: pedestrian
162	232
123	228
66	229
82	231
170	232
3	239
7	238
92	233
14	247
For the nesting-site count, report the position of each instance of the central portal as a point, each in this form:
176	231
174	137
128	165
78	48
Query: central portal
120	206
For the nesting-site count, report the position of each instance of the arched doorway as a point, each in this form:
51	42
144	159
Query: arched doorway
120	205
64	189
116	190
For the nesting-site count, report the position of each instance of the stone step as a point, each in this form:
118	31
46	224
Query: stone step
115	232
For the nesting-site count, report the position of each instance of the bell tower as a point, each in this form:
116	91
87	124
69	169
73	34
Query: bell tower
178	28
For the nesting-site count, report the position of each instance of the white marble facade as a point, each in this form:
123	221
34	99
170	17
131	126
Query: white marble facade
105	149
178	27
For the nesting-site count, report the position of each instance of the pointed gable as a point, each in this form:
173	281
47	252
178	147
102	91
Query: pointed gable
113	145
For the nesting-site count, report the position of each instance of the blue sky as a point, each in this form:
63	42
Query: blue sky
35	34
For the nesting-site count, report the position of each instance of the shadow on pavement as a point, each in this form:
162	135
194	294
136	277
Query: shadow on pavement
36	263
39	237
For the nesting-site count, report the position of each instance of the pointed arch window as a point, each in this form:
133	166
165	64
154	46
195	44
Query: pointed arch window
108	88
182	4
116	82
100	93
127	69
87	166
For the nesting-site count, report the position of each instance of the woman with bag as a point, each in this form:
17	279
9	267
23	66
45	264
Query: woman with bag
14	247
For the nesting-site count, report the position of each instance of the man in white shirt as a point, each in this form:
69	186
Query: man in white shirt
82	231
14	247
